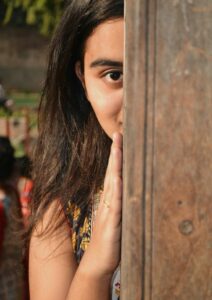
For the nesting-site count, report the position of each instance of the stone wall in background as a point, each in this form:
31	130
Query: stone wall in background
23	59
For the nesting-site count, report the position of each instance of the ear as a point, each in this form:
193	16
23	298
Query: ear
80	75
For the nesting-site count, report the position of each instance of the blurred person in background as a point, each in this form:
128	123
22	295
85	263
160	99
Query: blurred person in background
5	103
11	267
2	92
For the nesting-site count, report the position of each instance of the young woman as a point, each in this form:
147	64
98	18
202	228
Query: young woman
76	208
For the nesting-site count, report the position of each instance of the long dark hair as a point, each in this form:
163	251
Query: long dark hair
72	150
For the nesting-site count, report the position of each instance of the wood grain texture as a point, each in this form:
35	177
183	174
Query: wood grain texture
133	217
182	243
167	209
138	150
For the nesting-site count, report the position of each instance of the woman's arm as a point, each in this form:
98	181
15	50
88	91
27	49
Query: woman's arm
53	270
54	273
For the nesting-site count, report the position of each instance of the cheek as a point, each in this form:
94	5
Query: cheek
107	106
106	103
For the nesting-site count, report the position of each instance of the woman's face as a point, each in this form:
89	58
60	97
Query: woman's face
103	74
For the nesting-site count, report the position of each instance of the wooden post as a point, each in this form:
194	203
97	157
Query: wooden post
167	205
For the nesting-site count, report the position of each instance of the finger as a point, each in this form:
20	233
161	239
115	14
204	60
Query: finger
116	205
117	154
108	171
116	143
117	162
114	169
117	188
118	140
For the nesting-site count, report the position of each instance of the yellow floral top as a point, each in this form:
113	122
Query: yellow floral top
81	229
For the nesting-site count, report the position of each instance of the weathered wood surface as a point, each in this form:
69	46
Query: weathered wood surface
138	147
167	214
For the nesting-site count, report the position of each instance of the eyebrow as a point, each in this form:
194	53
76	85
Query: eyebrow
106	63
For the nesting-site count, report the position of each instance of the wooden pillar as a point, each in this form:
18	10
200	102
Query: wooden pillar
167	205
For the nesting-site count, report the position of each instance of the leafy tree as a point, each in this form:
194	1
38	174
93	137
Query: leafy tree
43	13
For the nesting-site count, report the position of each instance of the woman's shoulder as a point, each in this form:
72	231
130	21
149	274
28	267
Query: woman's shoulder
53	221
51	254
51	235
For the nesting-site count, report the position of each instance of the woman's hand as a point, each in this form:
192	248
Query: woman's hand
103	254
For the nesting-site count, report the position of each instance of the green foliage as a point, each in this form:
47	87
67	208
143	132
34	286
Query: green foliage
43	13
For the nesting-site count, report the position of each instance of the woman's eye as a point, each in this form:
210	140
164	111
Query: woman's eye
114	76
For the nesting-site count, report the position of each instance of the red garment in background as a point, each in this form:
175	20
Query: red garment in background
25	198
25	189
